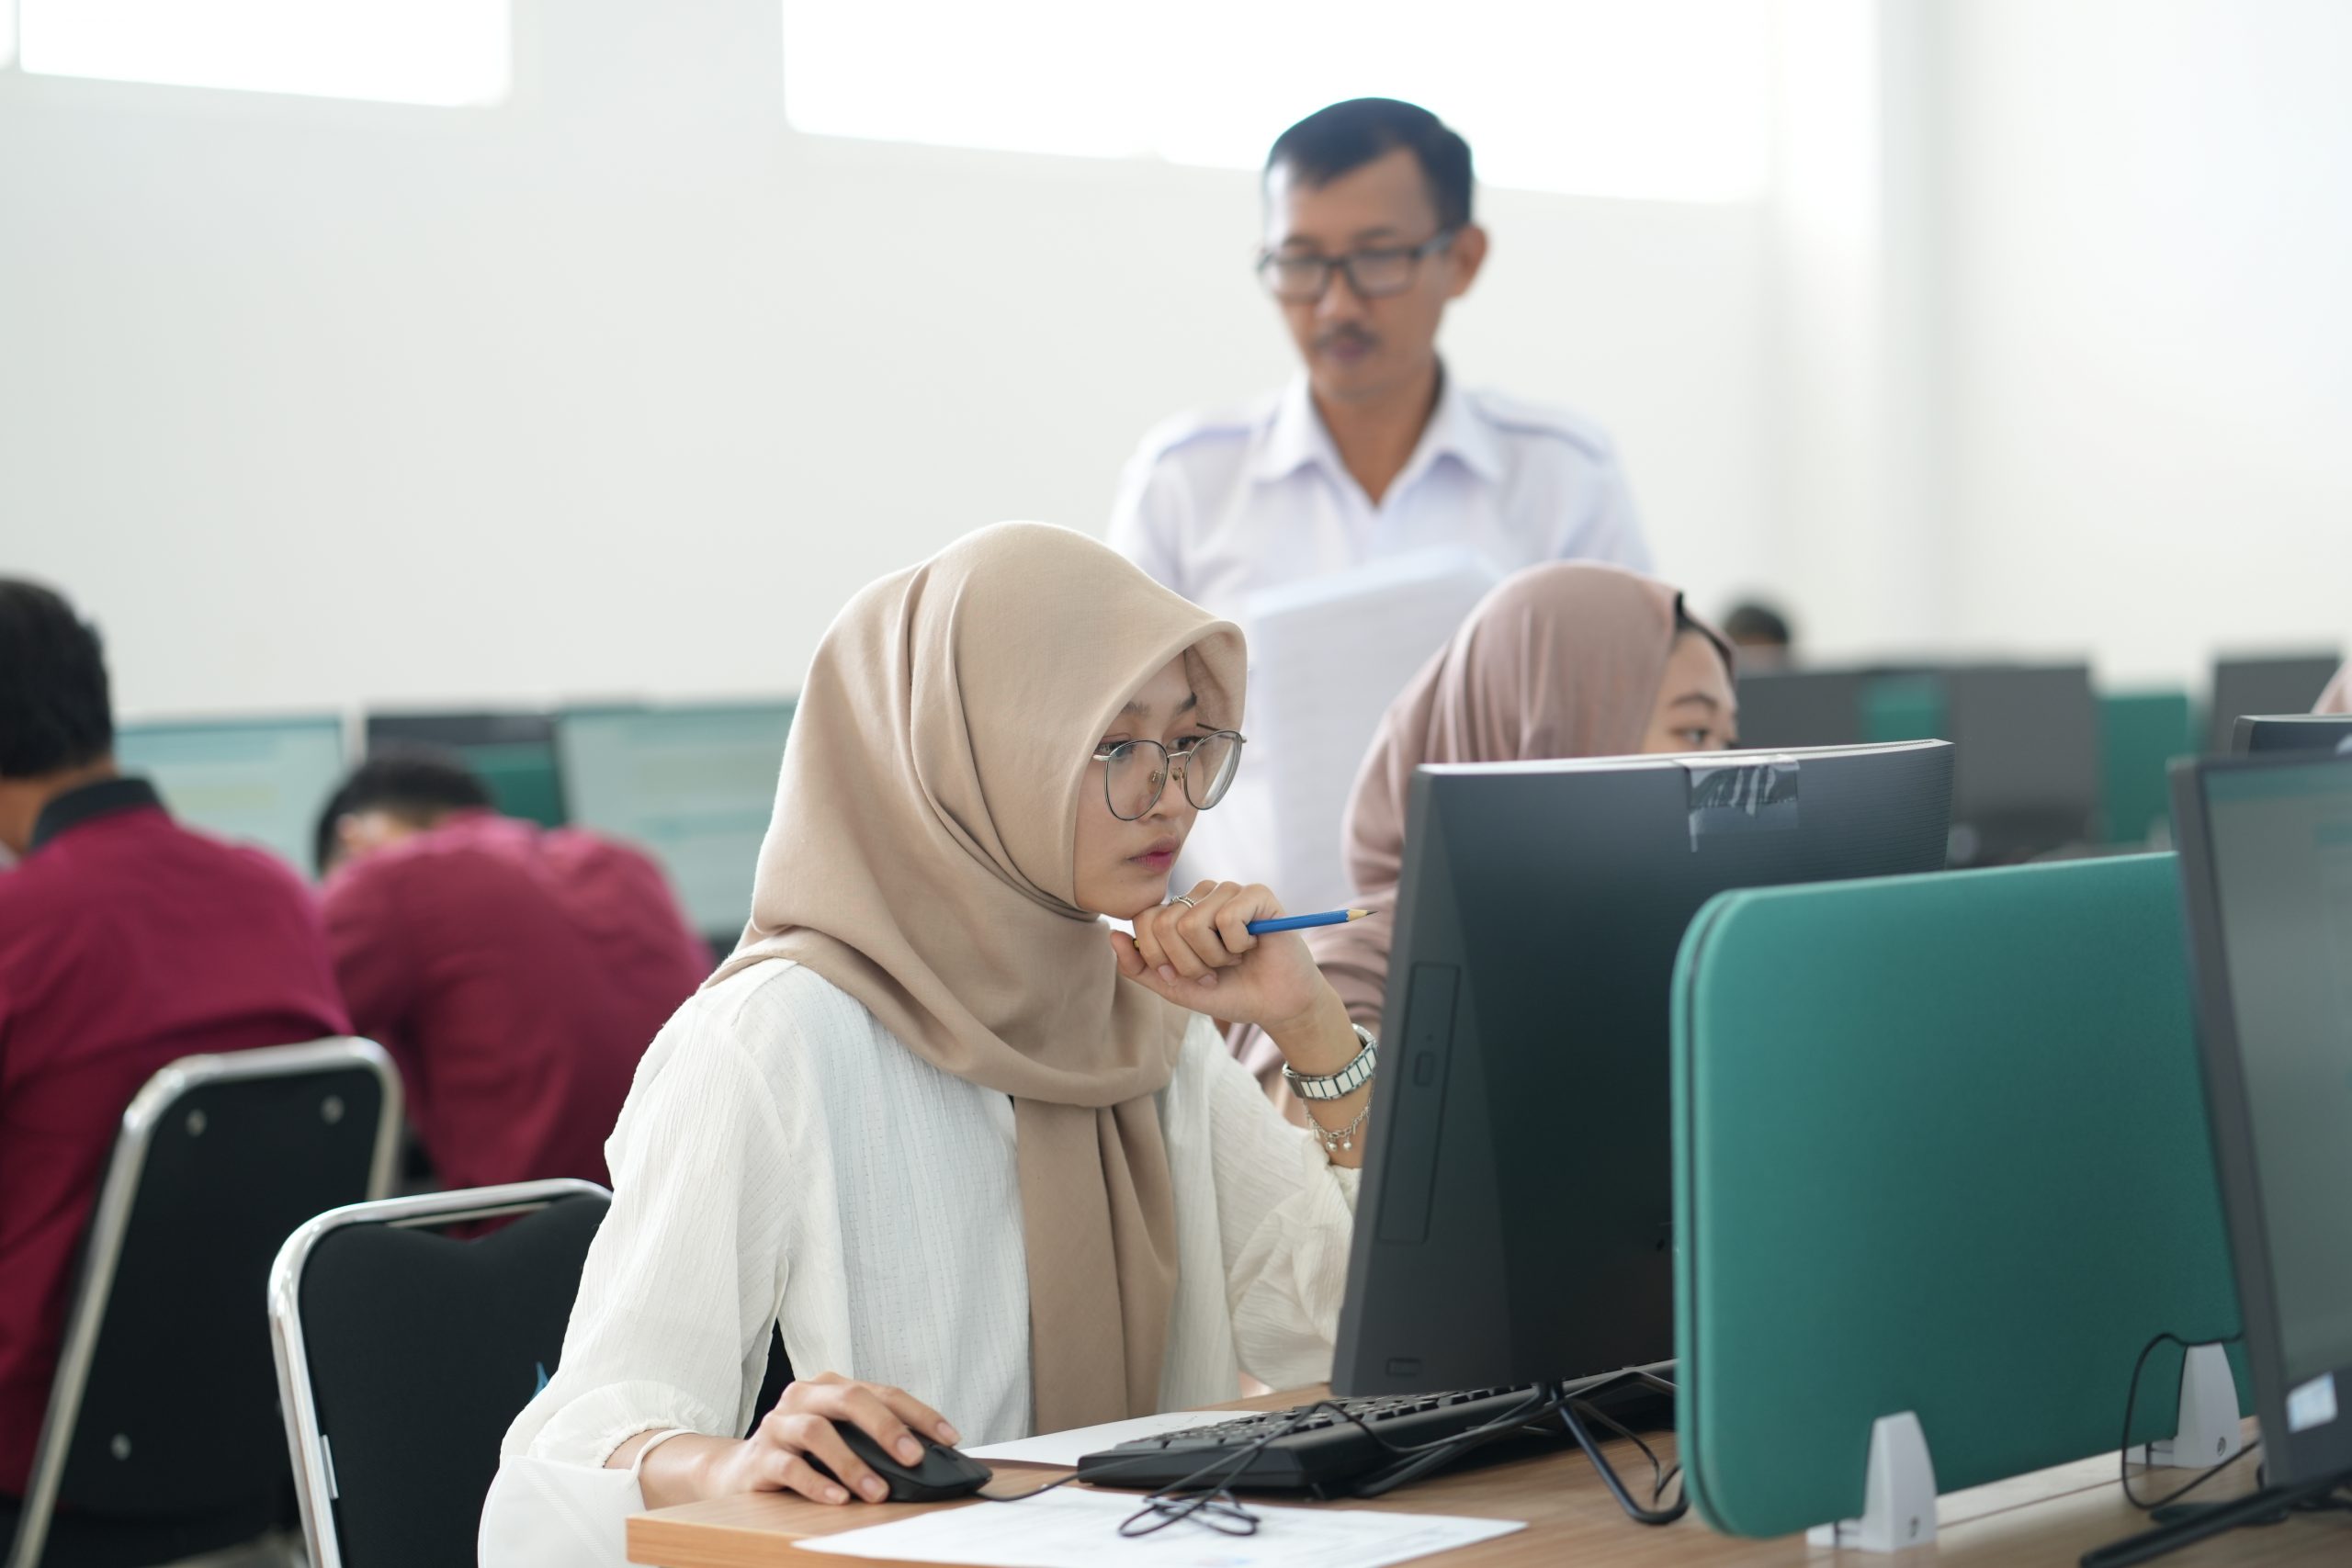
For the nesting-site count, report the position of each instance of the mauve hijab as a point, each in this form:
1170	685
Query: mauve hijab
921	858
1562	660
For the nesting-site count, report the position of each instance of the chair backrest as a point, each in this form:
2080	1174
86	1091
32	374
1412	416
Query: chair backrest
404	1353
1940	1147
162	1407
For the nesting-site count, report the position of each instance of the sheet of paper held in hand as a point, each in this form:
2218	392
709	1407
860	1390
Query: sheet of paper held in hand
1081	1529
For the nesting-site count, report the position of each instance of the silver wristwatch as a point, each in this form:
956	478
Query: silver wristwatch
1348	1079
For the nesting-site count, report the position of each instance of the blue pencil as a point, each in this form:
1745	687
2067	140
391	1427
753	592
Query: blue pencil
1300	922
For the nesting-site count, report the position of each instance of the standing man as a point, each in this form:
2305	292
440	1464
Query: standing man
1375	450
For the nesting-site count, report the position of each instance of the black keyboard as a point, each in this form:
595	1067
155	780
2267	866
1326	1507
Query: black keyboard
1310	1448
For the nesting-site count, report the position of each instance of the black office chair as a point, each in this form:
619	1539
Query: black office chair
404	1353
160	1439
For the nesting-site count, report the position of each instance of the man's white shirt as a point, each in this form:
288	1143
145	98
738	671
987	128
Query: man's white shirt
1221	506
1239	511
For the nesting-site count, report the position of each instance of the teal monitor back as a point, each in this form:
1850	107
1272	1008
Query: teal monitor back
261	781
694	785
1940	1147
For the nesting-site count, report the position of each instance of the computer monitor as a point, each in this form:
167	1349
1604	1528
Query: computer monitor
2265	862
262	781
2257	733
513	752
1515	1220
1779	708
2290	683
694	785
2026	769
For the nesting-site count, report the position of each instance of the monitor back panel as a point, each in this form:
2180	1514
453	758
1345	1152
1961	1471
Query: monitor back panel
1522	1134
1940	1146
2291	683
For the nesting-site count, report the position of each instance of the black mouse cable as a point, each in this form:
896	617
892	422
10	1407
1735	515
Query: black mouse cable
2131	1406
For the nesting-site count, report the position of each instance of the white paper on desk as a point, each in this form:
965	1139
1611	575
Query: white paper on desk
1081	1529
1068	1448
1327	656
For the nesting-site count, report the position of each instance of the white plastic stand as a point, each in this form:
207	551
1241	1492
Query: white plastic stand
1898	1494
2209	1431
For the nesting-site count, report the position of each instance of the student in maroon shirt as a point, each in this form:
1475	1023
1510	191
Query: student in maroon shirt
126	943
515	973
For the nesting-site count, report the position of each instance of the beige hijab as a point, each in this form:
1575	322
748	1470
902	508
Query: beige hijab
921	859
1562	660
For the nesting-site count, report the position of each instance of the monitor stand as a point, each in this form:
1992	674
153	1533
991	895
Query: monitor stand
2266	1507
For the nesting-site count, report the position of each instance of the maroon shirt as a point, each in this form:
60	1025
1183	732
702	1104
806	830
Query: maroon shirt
127	942
516	973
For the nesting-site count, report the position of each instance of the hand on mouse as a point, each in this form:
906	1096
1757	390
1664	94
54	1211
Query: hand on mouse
776	1456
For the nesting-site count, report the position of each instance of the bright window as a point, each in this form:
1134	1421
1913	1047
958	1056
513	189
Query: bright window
410	52
1658	99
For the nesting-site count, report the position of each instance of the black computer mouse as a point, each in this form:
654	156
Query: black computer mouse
942	1473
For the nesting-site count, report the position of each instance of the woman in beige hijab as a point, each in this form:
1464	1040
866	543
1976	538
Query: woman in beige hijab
979	1157
1563	660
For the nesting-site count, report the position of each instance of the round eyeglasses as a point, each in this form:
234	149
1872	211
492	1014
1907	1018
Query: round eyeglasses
1136	772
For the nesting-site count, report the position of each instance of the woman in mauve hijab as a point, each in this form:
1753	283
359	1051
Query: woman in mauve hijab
1563	660
982	1159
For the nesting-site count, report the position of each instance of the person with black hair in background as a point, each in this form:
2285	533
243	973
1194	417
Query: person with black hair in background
1761	636
127	942
515	973
1376	449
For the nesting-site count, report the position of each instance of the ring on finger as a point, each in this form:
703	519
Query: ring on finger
1185	899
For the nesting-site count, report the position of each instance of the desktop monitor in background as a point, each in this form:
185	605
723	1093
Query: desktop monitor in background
261	781
2265	862
1781	708
2255	734
694	785
2026	770
513	752
1516	1219
2291	683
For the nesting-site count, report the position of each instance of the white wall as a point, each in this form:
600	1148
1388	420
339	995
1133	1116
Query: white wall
623	388
2151	326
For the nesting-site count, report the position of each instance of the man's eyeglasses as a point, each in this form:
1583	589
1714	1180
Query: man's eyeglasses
1136	772
1299	279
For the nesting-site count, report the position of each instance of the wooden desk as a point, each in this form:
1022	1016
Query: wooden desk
2052	1517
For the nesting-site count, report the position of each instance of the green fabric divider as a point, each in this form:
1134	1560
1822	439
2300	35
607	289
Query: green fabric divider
1940	1146
2140	734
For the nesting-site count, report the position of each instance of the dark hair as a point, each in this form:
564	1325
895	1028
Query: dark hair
416	784
1332	141
1752	622
54	710
1684	621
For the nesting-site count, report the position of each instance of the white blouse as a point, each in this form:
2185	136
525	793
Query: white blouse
784	1159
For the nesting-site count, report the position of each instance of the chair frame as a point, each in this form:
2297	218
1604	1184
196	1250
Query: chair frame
148	1109
314	1480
